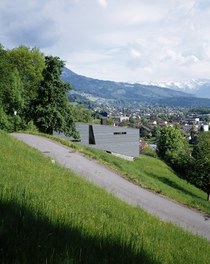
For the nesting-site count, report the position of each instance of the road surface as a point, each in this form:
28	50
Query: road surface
165	209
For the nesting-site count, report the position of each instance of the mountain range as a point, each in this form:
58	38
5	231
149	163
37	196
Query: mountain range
133	93
199	88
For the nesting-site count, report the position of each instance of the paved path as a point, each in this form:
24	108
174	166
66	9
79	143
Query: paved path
96	173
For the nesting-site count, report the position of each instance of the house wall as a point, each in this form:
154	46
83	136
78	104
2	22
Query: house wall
121	140
205	128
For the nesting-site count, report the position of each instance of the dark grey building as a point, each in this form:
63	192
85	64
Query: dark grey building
114	139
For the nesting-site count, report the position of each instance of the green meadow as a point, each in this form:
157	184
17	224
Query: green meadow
50	215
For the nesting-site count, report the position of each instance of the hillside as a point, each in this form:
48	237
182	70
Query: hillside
57	217
132	93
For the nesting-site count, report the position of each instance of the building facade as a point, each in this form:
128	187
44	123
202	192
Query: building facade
113	139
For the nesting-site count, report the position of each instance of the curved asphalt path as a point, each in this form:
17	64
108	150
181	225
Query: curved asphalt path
167	210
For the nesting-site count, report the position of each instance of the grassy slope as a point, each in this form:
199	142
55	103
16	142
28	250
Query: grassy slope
153	174
50	215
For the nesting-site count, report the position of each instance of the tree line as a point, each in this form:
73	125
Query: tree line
191	163
32	94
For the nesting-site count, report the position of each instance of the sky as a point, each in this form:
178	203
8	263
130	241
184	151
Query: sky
119	40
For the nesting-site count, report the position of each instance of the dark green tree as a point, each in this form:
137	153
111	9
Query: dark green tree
51	109
200	169
11	91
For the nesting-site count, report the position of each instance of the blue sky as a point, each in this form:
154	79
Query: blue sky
120	40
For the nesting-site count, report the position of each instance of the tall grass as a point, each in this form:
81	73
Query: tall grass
50	215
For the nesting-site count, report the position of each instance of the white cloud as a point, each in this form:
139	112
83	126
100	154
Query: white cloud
140	12
120	40
135	53
188	7
206	50
103	3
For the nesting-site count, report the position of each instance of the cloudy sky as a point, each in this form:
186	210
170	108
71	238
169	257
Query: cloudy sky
121	40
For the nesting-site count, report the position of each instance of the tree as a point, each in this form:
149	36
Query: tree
172	147
170	142
11	90
193	134
132	122
81	114
201	163
51	108
4	122
156	131
124	123
29	64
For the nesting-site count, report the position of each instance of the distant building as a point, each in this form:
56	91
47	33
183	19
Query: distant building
193	120
204	127
120	118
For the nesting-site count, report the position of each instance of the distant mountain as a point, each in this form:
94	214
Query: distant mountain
199	88
131	93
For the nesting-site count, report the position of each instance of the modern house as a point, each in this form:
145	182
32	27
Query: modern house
113	139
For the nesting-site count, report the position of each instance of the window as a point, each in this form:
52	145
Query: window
120	133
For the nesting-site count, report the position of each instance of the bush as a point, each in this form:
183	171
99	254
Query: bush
5	121
31	127
149	152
